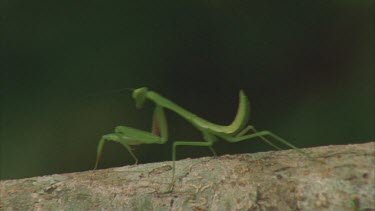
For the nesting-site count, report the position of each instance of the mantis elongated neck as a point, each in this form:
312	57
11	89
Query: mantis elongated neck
165	103
238	123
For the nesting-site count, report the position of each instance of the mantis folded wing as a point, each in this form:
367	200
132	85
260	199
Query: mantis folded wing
234	132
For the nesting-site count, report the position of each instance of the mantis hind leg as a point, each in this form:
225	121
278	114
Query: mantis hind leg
252	128
261	135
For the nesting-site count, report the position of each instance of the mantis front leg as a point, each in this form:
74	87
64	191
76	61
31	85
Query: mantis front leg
127	136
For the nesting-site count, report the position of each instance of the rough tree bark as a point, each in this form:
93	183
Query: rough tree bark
338	178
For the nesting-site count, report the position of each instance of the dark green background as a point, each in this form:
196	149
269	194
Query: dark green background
307	67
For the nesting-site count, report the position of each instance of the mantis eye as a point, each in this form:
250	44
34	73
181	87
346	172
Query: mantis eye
139	96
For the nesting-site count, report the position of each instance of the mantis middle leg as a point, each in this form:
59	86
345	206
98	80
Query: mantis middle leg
209	140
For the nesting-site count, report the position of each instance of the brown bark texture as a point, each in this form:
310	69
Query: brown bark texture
340	177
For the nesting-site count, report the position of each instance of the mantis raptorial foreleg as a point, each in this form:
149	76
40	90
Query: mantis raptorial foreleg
127	136
159	123
234	132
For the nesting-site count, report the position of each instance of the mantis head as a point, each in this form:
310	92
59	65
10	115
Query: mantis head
139	96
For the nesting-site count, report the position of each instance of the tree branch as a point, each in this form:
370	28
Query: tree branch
337	178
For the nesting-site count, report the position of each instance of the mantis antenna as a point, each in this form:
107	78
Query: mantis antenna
112	91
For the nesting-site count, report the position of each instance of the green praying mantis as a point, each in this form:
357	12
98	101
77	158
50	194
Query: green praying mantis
237	131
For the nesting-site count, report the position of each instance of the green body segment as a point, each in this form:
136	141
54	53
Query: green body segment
236	126
237	131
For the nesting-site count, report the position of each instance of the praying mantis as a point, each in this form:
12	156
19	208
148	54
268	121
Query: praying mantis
237	131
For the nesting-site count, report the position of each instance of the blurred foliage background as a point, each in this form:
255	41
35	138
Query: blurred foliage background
307	67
